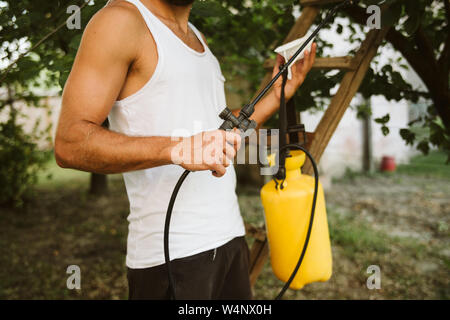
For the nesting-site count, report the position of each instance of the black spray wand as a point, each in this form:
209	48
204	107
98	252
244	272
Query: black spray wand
242	122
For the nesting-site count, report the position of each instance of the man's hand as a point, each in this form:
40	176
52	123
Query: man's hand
210	150
299	71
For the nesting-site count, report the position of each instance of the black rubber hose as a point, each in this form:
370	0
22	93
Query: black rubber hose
311	219
305	246
167	230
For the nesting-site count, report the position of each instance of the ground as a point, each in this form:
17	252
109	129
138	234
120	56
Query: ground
399	222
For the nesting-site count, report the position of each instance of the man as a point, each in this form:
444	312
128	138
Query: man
146	68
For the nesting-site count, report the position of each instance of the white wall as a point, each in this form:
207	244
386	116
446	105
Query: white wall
32	117
345	147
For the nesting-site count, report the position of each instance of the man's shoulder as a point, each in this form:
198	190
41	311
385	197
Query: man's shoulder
117	27
119	14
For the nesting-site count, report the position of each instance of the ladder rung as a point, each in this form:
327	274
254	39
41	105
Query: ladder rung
343	63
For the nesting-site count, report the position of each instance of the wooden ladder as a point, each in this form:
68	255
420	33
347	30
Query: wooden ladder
356	68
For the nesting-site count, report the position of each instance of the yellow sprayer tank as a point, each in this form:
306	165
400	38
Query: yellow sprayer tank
287	213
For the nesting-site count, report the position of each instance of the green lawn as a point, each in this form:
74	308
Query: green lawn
432	165
54	177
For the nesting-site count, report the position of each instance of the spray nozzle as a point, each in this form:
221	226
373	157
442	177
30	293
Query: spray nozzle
242	122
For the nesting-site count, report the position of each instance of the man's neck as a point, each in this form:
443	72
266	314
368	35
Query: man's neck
175	14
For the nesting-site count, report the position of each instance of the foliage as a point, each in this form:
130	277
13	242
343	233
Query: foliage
20	161
420	32
243	35
23	23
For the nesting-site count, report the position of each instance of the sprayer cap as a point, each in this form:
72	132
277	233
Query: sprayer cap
294	162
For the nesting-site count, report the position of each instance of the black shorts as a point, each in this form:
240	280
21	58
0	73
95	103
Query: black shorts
215	274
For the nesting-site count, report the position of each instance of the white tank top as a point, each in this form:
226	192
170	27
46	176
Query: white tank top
183	97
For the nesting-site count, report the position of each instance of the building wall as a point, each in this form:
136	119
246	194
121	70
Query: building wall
33	118
345	149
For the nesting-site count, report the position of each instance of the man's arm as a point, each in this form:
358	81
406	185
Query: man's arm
109	47
271	102
97	76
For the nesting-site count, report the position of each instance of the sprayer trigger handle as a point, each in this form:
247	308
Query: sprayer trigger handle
250	128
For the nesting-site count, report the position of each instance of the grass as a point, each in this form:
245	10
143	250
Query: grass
355	247
431	165
54	177
355	236
59	228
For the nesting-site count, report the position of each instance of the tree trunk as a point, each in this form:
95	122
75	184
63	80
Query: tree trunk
442	105
99	182
367	142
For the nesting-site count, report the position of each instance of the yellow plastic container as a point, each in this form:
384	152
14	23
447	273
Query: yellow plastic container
287	214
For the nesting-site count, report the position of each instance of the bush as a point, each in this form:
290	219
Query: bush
20	160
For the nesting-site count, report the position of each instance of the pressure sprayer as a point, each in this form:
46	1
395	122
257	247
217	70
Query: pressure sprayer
289	190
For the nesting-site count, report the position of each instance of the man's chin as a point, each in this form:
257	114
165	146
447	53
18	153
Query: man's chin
180	3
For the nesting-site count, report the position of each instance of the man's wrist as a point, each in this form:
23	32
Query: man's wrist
166	152
273	101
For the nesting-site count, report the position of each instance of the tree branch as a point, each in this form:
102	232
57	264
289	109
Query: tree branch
425	46
423	94
63	24
443	61
401	44
430	76
358	14
447	10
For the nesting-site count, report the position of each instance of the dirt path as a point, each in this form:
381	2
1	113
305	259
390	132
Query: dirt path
403	206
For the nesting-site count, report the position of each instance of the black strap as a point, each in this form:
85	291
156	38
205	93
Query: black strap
283	115
292	120
288	117
288	124
281	174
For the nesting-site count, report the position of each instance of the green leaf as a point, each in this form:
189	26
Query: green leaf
408	136
424	147
383	120
64	75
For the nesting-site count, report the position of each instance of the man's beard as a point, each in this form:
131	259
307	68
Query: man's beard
180	2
